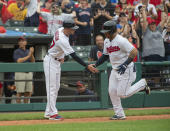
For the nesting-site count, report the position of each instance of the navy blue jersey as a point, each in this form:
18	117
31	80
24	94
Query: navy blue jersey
83	15
20	53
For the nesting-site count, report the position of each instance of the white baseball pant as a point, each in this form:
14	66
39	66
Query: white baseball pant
120	87
52	72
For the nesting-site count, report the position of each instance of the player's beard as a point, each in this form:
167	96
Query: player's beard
110	36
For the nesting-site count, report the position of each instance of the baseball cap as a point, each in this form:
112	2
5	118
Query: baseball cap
2	29
69	23
79	84
150	20
108	26
21	38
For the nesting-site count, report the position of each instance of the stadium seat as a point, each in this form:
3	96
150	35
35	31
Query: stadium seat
15	23
20	29
88	48
31	29
78	48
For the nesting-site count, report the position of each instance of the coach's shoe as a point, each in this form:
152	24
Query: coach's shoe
46	116
56	117
115	117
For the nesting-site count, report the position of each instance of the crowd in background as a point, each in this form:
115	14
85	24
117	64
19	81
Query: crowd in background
143	22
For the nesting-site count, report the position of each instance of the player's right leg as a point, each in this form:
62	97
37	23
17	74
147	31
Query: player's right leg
125	89
116	101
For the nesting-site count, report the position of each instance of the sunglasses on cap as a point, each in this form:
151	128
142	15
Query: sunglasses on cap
55	6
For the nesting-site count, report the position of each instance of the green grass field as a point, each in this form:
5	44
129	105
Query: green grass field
80	114
126	125
139	125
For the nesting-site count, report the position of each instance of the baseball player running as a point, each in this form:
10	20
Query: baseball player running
123	74
59	48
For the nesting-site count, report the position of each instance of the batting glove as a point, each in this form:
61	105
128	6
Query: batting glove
122	68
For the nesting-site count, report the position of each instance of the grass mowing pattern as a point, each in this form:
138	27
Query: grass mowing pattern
139	125
80	114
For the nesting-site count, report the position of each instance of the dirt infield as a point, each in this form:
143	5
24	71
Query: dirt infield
80	120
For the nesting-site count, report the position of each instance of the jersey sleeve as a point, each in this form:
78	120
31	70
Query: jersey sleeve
126	46
45	15
65	46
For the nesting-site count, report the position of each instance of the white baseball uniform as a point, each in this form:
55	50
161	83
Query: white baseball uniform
60	47
54	22
120	85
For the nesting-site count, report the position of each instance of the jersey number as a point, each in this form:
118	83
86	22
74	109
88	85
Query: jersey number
56	39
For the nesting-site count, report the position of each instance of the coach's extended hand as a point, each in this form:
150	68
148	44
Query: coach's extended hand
91	68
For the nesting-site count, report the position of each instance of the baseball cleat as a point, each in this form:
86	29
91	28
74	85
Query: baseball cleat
115	117
47	116
56	117
147	90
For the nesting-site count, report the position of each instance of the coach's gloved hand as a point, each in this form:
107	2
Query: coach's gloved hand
121	69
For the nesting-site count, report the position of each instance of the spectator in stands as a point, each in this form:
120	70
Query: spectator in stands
83	90
114	2
155	2
67	6
54	18
9	87
159	5
167	6
102	12
84	20
23	55
166	37
151	10
153	46
32	18
96	51
94	3
14	9
43	23
123	5
129	32
123	20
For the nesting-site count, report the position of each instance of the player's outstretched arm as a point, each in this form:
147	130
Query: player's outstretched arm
122	68
101	60
80	61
